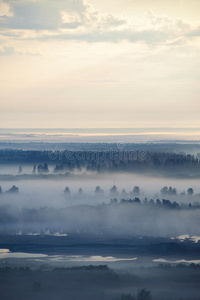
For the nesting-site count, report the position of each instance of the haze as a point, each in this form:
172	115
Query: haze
99	63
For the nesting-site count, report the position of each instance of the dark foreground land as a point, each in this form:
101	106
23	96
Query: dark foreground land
54	277
100	282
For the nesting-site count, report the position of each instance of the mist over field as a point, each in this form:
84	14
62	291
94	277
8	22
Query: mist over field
83	194
123	222
113	219
42	206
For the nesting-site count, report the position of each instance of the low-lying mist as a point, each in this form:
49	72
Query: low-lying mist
40	192
115	219
42	206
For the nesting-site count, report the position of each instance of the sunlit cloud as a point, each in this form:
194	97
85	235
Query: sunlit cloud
79	20
5	10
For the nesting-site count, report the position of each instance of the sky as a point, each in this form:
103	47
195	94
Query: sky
99	63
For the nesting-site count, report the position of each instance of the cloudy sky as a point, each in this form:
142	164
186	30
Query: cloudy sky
99	63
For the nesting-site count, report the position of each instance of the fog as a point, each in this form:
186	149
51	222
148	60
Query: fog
40	192
41	205
112	219
59	224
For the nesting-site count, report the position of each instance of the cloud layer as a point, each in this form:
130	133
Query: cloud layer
79	20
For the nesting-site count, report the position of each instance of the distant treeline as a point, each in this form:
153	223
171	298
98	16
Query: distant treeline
164	146
155	203
103	161
99	192
61	269
45	268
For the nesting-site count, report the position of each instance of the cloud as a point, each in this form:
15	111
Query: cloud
93	18
5	10
150	28
8	51
195	32
70	19
79	20
51	15
112	36
39	15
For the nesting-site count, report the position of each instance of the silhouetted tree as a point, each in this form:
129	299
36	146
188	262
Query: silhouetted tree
113	190
13	189
158	202
43	168
166	203
46	168
114	201
58	168
67	190
144	295
136	191
98	190
20	170
0	190
172	191
168	191
175	204
190	192
137	200
40	169
34	169
164	190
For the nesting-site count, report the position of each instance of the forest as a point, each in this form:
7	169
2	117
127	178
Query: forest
63	162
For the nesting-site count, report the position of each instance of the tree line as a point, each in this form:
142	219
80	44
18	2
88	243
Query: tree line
102	161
